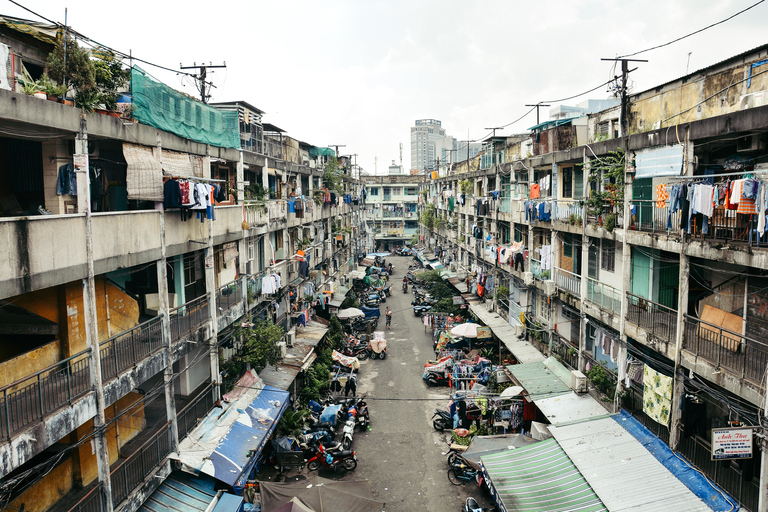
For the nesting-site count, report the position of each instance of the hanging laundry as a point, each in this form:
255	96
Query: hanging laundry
661	195
657	395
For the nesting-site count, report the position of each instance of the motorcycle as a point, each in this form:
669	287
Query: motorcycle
471	505
441	420
348	432
420	310
344	460
359	351
363	416
435	378
405	287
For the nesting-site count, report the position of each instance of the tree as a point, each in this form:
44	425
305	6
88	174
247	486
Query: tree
291	423
261	344
332	176
334	337
79	71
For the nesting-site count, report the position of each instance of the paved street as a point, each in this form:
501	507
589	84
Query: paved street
402	454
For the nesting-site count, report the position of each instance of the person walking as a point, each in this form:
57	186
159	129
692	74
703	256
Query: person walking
389	318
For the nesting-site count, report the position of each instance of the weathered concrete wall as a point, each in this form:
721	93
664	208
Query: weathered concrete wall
47	491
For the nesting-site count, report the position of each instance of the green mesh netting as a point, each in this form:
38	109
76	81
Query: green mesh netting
315	152
158	105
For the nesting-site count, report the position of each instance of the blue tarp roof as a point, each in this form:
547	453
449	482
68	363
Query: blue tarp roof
182	491
551	124
237	452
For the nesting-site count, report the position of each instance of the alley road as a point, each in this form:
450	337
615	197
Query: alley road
402	455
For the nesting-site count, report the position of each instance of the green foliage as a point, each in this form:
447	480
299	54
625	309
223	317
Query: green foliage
30	88
79	71
318	376
503	292
49	87
87	100
601	379
446	306
609	169
465	186
414	240
332	176
261	344
109	76
256	192
334	338
610	222
429	217
291	423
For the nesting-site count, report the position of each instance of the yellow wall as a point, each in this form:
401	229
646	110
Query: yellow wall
29	363
127	427
47	491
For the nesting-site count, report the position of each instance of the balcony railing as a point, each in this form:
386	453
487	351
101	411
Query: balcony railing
189	317
538	273
32	398
568	281
129	347
726	349
603	295
568	211
228	295
194	411
655	318
647	217
132	473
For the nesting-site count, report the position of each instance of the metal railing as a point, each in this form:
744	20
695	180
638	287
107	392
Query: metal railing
189	317
196	410
603	295
228	295
566	352
568	281
538	272
568	211
655	318
132	473
647	217
129	347
726	349
32	398
91	502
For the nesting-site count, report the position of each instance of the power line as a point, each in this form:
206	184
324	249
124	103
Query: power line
692	33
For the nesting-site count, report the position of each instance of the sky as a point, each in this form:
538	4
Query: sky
359	73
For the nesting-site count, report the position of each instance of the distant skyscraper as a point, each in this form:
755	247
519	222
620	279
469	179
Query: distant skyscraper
430	143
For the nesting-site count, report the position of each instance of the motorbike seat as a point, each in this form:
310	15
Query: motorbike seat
345	453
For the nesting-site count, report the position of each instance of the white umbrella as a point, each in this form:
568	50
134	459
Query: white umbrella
350	313
511	391
467	330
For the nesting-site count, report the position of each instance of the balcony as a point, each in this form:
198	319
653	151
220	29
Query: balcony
538	273
726	349
655	318
568	281
568	211
605	296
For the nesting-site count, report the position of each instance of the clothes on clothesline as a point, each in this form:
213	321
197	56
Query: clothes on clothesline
270	283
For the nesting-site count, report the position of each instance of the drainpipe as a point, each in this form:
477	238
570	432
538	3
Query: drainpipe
91	318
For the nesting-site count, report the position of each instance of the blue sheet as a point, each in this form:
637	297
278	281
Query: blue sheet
690	477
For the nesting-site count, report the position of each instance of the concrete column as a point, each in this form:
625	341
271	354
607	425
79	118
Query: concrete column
682	307
584	271
626	255
240	179
168	377
91	318
762	504
210	288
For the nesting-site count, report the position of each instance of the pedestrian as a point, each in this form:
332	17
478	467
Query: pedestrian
351	385
389	318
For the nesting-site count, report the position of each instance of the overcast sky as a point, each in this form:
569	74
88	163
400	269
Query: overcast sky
359	73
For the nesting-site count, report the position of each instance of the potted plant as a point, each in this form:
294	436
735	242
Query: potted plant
32	89
610	222
53	91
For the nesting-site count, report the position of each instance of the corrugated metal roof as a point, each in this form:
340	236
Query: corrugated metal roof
539	478
622	472
570	407
521	349
181	491
542	379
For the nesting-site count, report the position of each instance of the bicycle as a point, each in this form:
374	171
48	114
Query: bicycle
460	472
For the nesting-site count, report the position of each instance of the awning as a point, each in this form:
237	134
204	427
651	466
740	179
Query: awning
320	494
624	473
542	379
570	407
523	351
227	443
144	174
335	303
539	478
182	491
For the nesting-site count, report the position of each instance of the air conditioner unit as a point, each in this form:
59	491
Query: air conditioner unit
755	99
750	143
578	381
283	350
519	330
528	278
550	289
290	338
249	266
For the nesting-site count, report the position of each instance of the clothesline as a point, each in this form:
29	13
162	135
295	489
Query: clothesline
194	178
724	175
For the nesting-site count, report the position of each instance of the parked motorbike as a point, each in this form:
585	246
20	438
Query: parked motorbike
471	505
420	310
344	460
348	432
363	416
435	378
359	350
441	420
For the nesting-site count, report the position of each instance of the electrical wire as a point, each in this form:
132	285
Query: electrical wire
692	33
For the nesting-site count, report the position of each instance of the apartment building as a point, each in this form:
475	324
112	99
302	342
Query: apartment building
607	271
391	209
117	303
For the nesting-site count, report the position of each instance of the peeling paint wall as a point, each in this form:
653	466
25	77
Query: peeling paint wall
47	491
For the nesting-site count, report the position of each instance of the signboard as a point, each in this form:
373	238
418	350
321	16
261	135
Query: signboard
458	300
731	443
484	333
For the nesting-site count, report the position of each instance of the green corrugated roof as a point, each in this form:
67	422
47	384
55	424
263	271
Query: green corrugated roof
539	478
543	378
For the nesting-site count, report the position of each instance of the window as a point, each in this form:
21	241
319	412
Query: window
608	256
411	191
568	182
568	245
373	191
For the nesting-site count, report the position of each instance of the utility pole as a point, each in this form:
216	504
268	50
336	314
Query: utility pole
537	105
337	146
201	78
624	104
494	130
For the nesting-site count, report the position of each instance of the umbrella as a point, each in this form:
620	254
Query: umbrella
511	391
350	313
465	330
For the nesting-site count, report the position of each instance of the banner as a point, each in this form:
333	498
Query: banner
484	333
731	443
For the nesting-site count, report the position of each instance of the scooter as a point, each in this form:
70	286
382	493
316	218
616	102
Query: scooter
405	287
441	420
363	416
348	432
344	460
471	505
435	378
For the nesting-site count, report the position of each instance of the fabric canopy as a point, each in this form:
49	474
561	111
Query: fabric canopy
350	313
321	495
467	330
539	478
